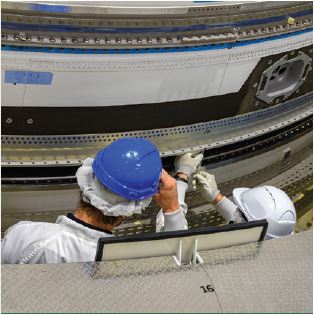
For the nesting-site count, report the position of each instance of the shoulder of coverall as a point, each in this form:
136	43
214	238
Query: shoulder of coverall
44	230
27	239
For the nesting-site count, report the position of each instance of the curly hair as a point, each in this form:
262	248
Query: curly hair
95	213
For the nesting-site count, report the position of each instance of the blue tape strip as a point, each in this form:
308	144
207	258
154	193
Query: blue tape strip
65	28
51	8
27	77
150	50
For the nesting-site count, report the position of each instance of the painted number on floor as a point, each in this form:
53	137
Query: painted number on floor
207	288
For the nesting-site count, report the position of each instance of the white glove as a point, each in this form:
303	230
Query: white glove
187	164
208	185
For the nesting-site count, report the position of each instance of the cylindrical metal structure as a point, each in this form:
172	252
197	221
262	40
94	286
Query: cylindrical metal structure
233	79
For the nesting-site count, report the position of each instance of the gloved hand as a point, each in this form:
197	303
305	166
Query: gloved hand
208	185
187	164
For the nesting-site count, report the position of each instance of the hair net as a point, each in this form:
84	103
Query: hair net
102	198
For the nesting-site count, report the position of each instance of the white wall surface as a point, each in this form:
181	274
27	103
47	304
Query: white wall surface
104	80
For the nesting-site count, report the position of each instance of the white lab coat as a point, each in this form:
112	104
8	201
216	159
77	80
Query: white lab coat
68	240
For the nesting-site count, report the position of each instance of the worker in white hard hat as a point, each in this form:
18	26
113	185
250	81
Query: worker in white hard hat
264	202
121	180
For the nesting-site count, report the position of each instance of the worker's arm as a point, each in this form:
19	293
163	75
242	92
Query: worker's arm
170	198
224	206
171	194
227	209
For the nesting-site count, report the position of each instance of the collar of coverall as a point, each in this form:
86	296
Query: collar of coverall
90	226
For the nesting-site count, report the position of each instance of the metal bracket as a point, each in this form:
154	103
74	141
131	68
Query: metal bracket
283	78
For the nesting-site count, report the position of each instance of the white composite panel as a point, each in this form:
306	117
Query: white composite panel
11	95
121	88
104	80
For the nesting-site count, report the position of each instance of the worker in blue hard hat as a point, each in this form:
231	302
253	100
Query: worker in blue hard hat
121	180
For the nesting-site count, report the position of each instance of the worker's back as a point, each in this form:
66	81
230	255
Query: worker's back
40	242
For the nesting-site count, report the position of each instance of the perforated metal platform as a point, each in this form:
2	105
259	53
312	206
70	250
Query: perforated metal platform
273	278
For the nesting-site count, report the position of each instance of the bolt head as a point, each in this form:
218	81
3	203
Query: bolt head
29	121
256	103
277	100
270	62
297	91
9	121
292	53
255	85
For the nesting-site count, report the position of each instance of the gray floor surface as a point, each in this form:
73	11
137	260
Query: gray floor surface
275	277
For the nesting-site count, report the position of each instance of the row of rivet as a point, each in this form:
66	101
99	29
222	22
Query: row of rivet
233	13
222	37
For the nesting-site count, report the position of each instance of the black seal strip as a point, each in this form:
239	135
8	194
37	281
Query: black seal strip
108	119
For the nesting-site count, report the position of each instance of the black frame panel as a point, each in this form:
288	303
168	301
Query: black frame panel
182	233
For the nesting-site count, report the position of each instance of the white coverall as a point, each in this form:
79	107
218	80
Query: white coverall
69	239
229	211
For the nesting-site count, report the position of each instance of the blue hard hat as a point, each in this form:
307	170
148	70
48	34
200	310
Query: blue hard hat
129	167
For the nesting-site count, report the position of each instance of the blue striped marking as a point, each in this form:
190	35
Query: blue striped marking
27	77
111	30
150	50
50	8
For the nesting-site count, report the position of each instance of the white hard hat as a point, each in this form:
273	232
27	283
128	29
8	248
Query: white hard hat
270	203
